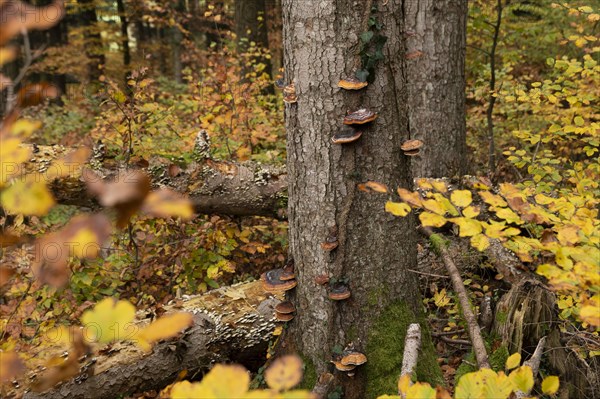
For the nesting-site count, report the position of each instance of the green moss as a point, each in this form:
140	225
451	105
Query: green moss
468	365
501	317
374	296
498	358
352	333
385	348
438	242
497	361
310	374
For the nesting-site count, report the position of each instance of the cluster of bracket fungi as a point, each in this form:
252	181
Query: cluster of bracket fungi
348	360
278	281
354	121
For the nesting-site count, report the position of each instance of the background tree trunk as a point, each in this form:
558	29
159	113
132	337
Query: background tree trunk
436	33
94	48
124	39
321	39
251	26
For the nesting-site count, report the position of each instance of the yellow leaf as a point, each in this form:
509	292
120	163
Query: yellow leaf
27	198
397	208
439	185
110	320
165	327
513	361
420	390
284	373
12	155
461	198
497	386
184	390
480	242
590	311
423	183
434	206
550	385
413	199
24	128
431	219
441	299
223	382
492	199
568	234
470	385
446	204
522	379
468	227
164	203
508	215
471	212
404	383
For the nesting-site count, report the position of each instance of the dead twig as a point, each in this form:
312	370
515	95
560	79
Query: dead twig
465	305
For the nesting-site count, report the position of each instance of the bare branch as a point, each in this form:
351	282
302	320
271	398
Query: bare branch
465	305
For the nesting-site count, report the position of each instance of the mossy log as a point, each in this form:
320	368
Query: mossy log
526	314
230	324
214	186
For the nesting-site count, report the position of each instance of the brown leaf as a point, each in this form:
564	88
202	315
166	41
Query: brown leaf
5	275
10	366
125	193
7	240
373	186
414	54
17	15
35	94
82	237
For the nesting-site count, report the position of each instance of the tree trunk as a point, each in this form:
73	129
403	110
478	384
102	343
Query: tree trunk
94	48
321	39
176	44
124	39
435	32
251	26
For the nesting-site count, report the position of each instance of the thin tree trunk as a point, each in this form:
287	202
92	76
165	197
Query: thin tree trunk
321	38
176	44
94	48
251	27
435	32
124	38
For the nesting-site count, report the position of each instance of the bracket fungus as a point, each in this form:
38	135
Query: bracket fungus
360	117
278	280
284	311
330	243
321	279
352	83
289	94
338	292
349	360
347	134
411	147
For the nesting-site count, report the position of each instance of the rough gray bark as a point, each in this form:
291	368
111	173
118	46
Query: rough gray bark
321	38
230	324
435	33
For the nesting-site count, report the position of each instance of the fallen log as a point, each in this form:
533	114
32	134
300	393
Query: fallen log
230	324
214	186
